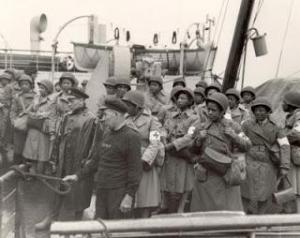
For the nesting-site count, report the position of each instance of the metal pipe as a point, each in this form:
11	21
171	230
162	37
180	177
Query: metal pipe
55	42
41	51
191	223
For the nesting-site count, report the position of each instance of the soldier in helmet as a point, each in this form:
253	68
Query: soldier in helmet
212	88
153	100
177	175
41	129
168	108
148	194
110	88
31	70
201	84
9	92
237	113
66	81
4	113
57	87
122	87
21	105
179	82
263	167
291	105
247	95
60	100
200	105
215	140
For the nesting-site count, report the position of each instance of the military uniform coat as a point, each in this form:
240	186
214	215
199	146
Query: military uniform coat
9	93
61	107
3	116
148	193
292	130
75	143
213	193
262	173
19	137
37	143
239	114
155	103
177	174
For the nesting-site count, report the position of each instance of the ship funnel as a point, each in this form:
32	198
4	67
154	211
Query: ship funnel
38	25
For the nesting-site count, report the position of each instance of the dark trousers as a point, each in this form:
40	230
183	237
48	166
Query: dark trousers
108	204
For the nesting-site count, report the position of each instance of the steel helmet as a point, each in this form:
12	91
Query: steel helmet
14	73
135	97
157	79
173	92
185	90
201	84
70	76
292	98
47	84
123	81
111	81
211	86
234	92
261	101
200	91
25	77
248	89
179	80
220	99
6	76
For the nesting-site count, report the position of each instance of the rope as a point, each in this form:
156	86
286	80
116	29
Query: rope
284	37
259	6
219	34
222	23
42	178
105	232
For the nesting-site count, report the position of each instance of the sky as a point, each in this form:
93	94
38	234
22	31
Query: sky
144	18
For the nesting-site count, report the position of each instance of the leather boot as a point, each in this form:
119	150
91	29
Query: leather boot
44	224
173	201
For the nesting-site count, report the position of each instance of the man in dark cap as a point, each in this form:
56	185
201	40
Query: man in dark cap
73	145
117	163
110	89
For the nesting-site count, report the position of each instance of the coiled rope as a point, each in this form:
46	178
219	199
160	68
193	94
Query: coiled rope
43	179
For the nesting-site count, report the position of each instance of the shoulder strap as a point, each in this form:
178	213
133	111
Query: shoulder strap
22	103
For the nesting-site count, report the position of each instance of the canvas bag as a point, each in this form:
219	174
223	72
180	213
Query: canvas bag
20	123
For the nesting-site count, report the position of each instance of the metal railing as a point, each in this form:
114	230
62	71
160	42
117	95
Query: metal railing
41	60
186	225
10	223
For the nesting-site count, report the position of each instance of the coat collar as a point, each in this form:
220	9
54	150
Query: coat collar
257	129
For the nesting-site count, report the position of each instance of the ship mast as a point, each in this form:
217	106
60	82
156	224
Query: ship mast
237	45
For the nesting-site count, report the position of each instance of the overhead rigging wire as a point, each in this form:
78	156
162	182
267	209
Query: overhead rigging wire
243	64
222	22
218	31
259	6
284	37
